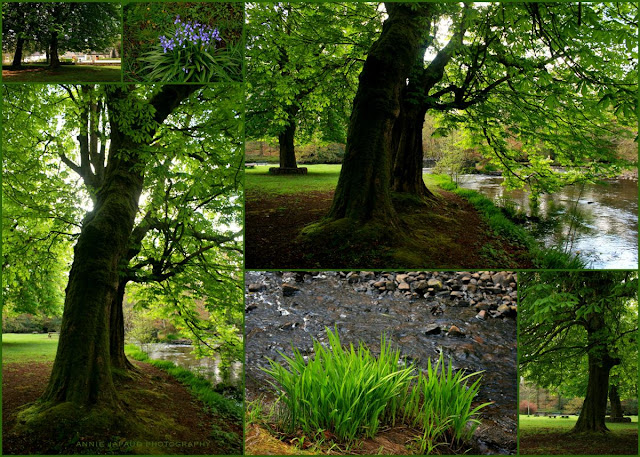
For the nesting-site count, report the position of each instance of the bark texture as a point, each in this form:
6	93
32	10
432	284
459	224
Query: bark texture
594	408
364	186
17	56
287	149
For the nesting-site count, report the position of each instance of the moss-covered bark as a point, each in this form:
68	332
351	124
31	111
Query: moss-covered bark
364	187
82	369
594	408
116	331
408	154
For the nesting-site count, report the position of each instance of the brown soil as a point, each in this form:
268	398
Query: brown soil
446	233
156	397
556	443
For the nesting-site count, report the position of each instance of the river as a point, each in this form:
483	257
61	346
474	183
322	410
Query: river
210	368
598	222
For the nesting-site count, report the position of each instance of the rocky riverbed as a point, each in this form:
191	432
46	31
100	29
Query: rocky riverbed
468	316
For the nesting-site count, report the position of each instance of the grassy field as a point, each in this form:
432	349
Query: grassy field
318	178
64	73
28	347
548	436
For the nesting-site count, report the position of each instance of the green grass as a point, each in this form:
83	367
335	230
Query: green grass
65	73
537	424
28	347
546	436
323	178
352	394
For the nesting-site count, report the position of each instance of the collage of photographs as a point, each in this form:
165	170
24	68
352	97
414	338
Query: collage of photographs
322	227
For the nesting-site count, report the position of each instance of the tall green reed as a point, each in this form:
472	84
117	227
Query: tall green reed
350	393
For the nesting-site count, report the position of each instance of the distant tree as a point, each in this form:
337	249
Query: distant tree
303	61
579	324
56	26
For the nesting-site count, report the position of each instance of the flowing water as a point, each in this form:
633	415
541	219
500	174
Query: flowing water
211	368
276	323
598	222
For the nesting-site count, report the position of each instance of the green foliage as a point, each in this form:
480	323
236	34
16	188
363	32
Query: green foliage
558	313
303	61
29	323
145	60
351	394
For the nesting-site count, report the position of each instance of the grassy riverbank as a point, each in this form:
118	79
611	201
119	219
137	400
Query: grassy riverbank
459	229
167	411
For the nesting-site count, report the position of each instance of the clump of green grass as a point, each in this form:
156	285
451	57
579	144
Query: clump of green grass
347	392
351	394
440	403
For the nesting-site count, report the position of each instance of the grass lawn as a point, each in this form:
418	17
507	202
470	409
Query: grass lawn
318	178
28	347
544	435
322	178
64	73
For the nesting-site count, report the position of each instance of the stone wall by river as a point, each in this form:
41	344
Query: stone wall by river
468	316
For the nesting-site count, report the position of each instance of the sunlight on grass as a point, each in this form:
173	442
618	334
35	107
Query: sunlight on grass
28	347
323	178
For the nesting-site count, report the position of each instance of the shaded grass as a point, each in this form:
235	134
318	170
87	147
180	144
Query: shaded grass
547	436
28	347
64	73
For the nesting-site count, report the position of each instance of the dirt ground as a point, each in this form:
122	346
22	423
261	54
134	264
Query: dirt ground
155	394
449	234
557	443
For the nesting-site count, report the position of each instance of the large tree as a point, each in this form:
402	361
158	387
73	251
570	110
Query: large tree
158	169
302	65
57	26
559	76
578	325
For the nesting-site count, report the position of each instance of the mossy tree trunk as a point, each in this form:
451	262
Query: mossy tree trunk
616	404
82	369
594	408
54	60
408	152
364	187
116	328
92	332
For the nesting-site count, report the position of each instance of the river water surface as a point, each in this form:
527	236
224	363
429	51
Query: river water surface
210	368
598	222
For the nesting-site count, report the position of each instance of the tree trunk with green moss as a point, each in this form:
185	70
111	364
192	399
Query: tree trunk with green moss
364	187
82	370
408	153
594	408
